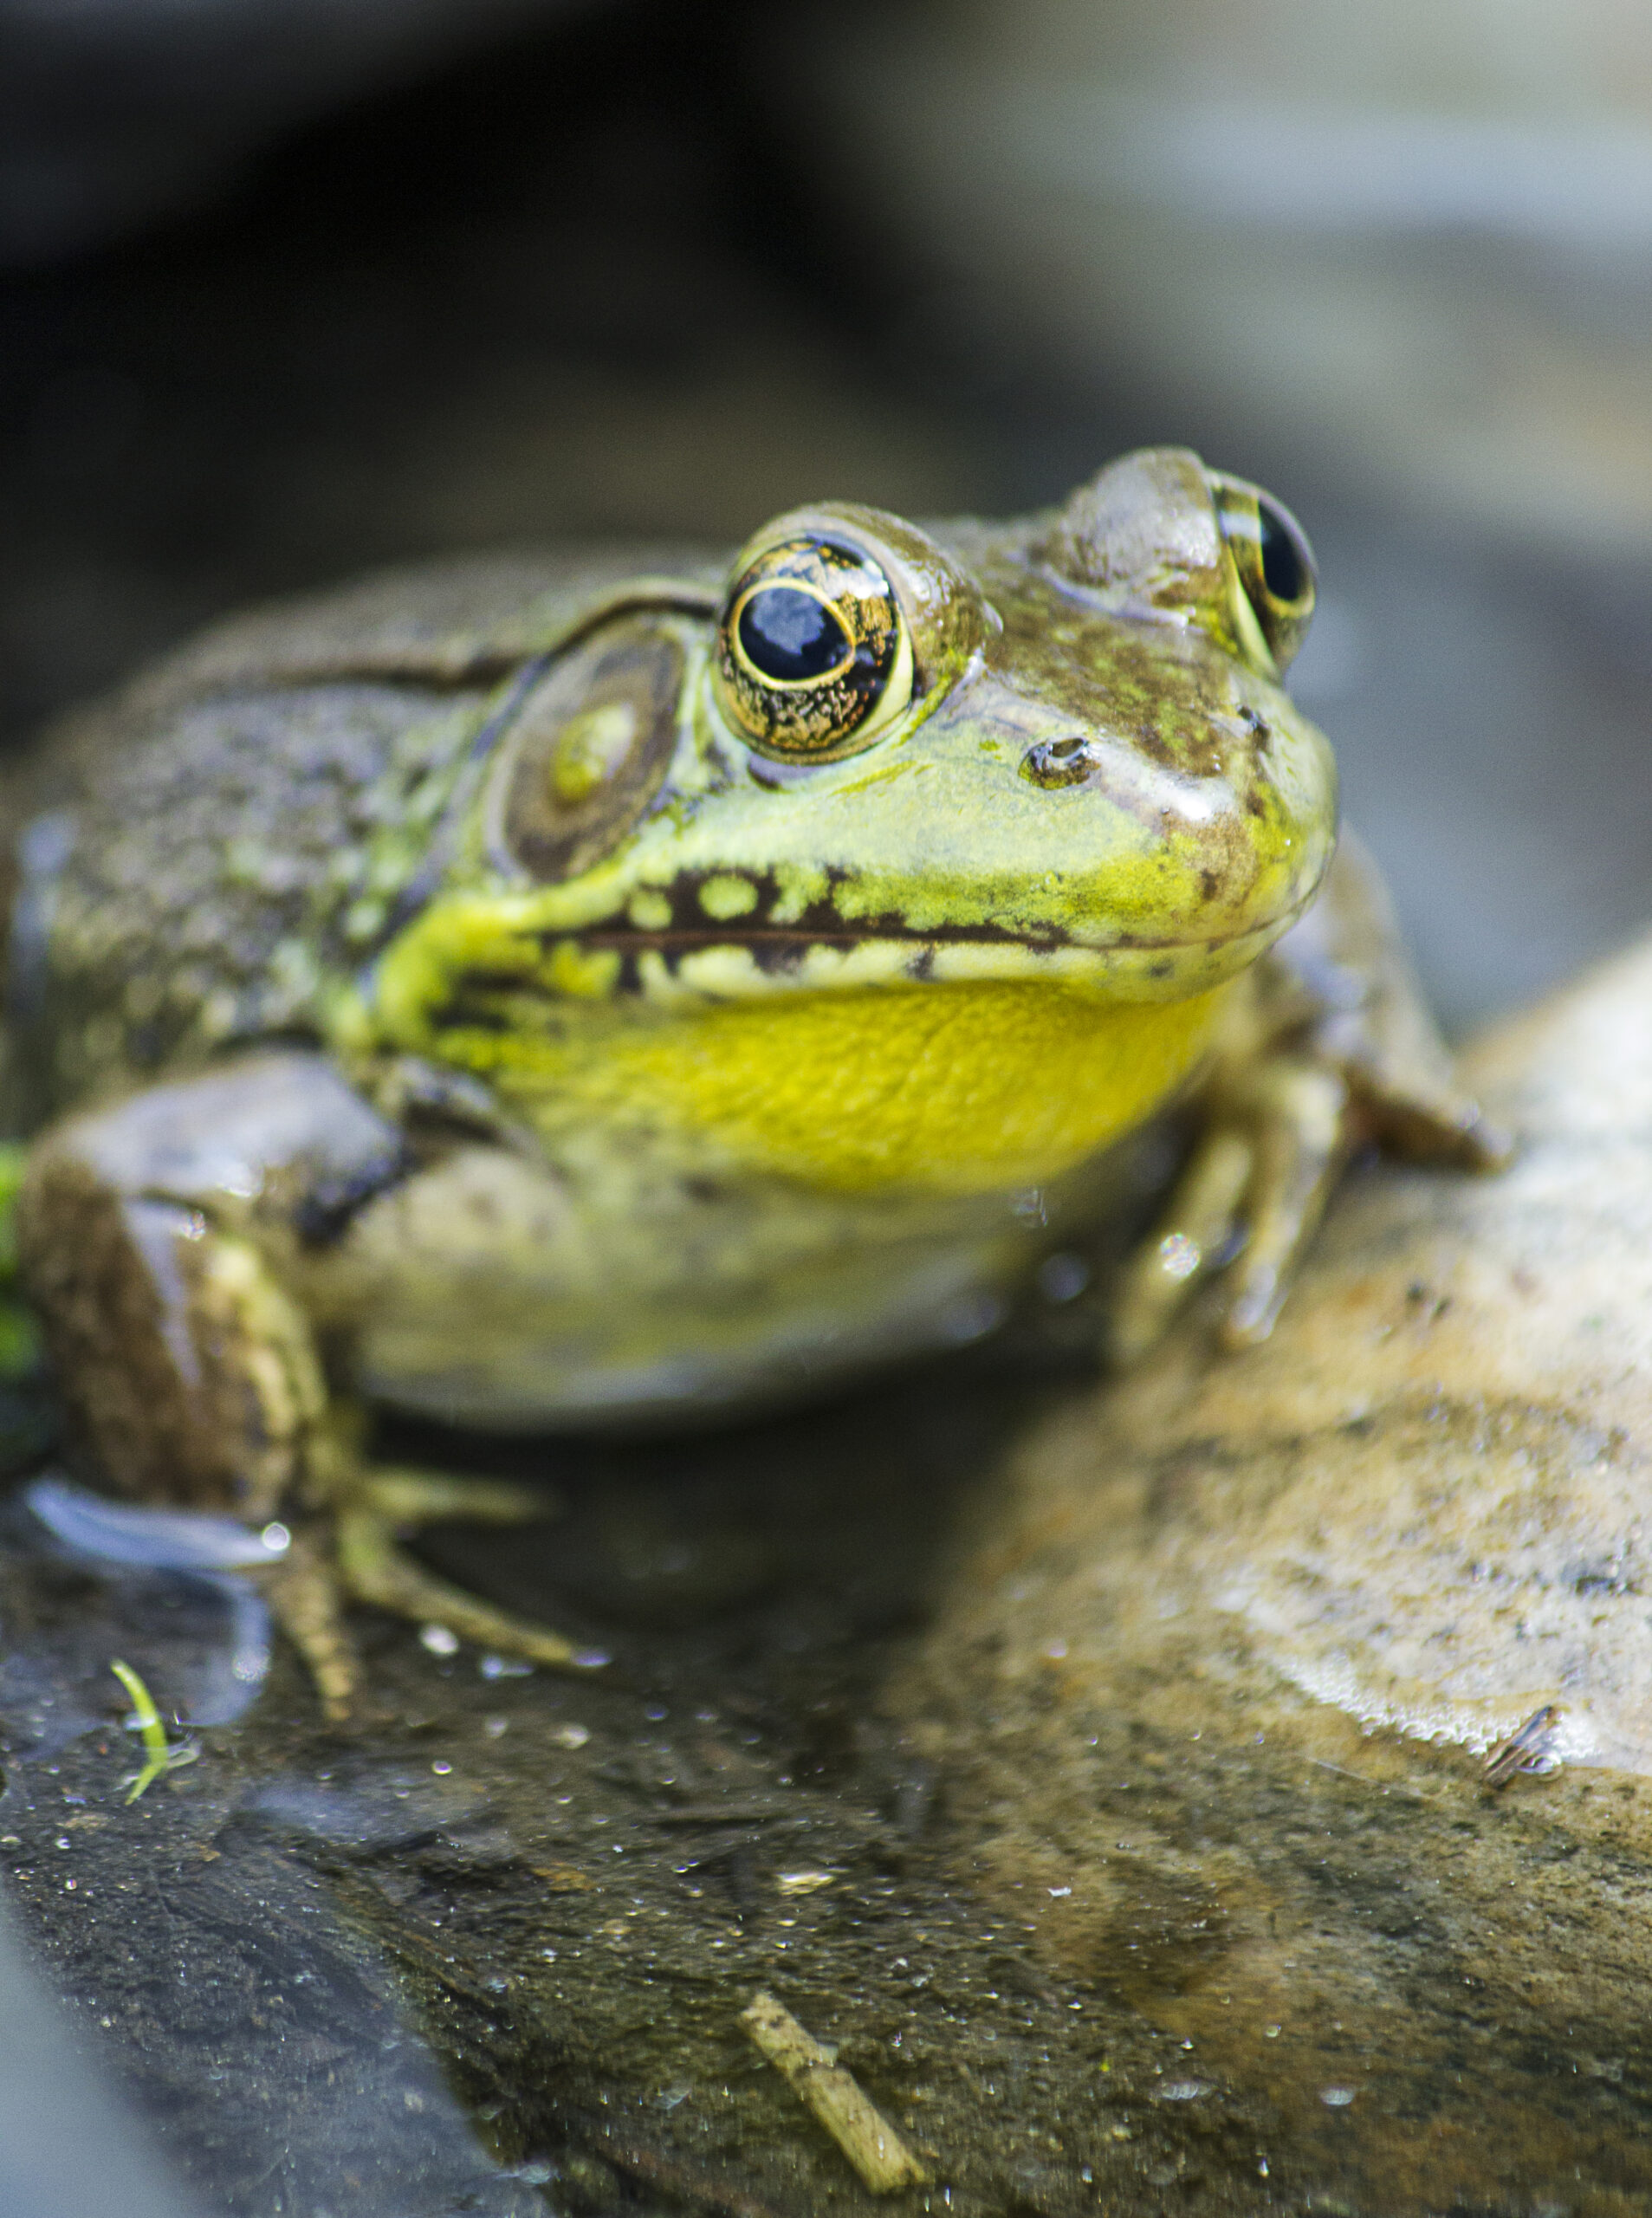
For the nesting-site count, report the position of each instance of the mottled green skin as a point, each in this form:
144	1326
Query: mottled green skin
244	815
252	823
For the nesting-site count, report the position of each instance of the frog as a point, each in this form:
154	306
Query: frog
604	990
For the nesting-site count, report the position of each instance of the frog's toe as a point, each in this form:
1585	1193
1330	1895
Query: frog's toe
1195	1229
405	1495
1257	1182
1436	1123
1302	1140
373	1569
305	1595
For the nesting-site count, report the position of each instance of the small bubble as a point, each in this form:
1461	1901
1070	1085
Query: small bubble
503	1667
441	1768
493	1727
276	1539
439	1640
1271	2032
1063	1277
571	1736
971	1318
1337	2099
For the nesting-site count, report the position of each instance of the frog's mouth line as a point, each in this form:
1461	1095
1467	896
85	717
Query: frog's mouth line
749	900
776	948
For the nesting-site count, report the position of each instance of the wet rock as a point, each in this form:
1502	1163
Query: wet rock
1215	1679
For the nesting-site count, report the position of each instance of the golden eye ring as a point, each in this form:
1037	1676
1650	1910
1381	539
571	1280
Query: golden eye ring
1273	579
814	657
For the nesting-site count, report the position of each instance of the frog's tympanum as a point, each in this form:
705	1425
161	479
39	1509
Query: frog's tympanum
584	993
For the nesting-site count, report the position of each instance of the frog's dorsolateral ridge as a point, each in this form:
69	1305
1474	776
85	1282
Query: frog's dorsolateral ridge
578	992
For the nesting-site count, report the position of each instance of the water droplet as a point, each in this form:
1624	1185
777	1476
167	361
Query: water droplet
1063	1277
1179	1256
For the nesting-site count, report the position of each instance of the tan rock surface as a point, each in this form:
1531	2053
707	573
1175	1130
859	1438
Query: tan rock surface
1213	1687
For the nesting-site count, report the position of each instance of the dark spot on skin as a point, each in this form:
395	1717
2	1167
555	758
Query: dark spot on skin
923	966
472	1016
1254	805
775	957
324	1215
702	1189
1209	883
1058	763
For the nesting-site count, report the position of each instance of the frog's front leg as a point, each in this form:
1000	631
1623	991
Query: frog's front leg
1332	1046
159	1239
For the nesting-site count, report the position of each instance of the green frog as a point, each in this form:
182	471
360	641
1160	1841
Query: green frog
591	992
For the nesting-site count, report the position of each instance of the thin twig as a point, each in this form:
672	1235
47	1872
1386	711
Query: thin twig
860	2130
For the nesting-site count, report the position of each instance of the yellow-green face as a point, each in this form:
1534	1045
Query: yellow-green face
881	763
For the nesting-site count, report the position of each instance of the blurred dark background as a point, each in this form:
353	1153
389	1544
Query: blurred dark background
289	288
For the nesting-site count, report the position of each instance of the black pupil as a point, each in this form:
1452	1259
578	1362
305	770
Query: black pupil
789	635
1283	573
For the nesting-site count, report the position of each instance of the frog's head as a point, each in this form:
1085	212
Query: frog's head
877	756
1056	748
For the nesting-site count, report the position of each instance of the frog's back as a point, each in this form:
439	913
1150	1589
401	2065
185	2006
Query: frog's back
191	862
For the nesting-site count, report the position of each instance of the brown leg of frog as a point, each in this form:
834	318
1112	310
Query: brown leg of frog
190	1374
1332	1046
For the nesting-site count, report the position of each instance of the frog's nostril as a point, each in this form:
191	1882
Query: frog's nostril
1060	761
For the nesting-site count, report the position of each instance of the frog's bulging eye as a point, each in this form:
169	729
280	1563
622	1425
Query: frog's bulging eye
1273	566
814	657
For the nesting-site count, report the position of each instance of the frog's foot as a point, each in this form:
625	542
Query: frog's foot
304	1597
1253	1192
1249	1198
383	1502
373	1507
1332	1048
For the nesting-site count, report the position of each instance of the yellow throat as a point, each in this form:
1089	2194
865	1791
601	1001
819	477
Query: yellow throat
952	1089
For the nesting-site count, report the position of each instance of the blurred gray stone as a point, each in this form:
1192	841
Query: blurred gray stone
1406	249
